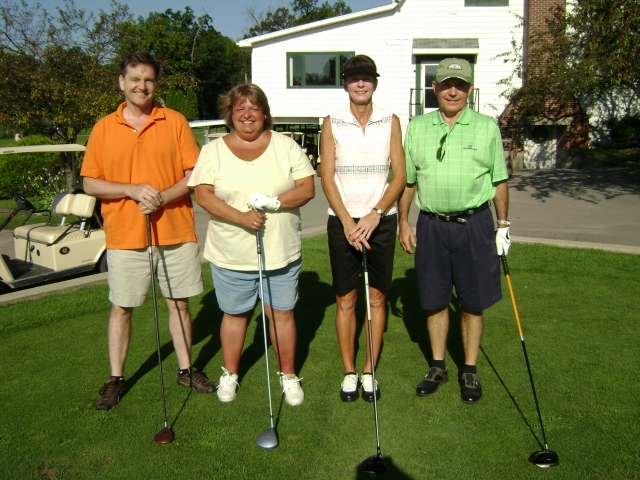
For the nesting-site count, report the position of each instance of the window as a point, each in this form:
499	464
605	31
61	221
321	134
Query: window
486	3
430	100
316	70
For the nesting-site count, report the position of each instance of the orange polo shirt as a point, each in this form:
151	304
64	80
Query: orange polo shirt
157	155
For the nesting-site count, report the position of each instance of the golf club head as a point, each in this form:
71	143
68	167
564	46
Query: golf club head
373	464
163	436
544	458
267	439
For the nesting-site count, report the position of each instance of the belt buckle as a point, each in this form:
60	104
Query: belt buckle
442	218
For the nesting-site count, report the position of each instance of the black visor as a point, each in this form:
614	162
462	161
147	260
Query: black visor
365	69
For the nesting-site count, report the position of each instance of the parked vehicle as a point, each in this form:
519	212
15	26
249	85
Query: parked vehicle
48	251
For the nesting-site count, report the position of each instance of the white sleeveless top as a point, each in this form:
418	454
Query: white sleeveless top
362	160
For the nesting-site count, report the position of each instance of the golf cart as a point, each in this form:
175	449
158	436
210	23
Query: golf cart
47	251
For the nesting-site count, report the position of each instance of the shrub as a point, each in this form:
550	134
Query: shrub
32	174
625	132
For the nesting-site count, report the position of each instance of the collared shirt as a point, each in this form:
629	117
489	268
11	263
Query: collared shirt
362	159
470	164
156	154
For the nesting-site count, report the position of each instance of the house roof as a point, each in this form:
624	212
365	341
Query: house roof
249	43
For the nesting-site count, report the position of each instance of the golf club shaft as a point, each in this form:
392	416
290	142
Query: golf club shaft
264	321
503	259
155	315
371	350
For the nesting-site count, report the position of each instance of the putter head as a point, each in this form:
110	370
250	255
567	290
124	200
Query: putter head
267	439
373	464
544	458
163	436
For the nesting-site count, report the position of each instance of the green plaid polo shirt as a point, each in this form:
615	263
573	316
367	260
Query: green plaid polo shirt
454	169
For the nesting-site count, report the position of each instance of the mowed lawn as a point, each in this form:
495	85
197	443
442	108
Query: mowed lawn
579	311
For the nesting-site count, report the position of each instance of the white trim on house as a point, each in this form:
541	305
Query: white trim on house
248	43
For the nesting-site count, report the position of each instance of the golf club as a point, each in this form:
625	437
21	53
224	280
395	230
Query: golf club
545	458
374	464
267	439
165	435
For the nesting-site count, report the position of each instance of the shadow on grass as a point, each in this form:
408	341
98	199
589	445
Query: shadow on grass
511	397
315	297
392	472
404	302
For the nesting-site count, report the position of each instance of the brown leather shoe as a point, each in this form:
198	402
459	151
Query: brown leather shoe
110	394
194	378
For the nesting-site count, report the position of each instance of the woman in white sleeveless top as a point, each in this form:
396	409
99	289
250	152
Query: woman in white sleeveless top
360	144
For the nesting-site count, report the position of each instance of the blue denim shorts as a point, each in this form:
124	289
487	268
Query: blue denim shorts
237	290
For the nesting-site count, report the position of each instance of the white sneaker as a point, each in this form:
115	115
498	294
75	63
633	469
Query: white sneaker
227	386
349	387
291	388
367	388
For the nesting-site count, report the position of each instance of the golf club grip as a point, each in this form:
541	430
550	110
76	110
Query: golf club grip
505	267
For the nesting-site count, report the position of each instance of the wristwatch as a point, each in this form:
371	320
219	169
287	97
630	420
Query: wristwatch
378	211
504	222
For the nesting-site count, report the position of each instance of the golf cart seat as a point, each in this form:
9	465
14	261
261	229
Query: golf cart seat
80	205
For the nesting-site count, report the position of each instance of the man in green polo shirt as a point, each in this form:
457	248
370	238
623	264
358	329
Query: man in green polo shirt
455	161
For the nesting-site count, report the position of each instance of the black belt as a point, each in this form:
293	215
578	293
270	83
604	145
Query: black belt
458	216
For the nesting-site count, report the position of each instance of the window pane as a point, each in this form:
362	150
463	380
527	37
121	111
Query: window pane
295	70
429	74
320	69
430	99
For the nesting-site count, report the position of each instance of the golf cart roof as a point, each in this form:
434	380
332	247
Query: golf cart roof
68	147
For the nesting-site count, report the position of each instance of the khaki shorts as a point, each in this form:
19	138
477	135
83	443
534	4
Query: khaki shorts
177	268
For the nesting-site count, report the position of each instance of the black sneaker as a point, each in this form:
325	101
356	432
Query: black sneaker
432	380
110	394
470	388
194	378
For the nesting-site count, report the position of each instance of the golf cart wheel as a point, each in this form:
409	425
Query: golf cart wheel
102	264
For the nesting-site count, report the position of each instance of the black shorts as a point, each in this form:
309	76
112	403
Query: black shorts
346	261
462	255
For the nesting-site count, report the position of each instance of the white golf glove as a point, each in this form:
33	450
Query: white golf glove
503	241
260	201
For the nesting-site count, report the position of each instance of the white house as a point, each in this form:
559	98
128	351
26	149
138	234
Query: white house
299	68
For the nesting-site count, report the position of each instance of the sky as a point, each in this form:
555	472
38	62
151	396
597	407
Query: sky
229	17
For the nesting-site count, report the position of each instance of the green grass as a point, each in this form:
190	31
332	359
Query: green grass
579	314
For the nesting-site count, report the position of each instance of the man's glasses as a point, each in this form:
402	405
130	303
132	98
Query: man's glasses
441	151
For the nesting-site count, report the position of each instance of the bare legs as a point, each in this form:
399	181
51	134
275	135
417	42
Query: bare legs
119	333
282	331
346	327
438	326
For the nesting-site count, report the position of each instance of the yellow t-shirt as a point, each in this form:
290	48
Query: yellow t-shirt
231	246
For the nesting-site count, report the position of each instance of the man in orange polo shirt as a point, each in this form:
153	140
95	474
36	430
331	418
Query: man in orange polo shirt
138	161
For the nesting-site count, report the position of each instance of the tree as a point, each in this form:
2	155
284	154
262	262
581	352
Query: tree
193	54
589	49
56	75
300	13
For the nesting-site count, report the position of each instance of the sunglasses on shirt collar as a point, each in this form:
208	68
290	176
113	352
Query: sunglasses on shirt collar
441	150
